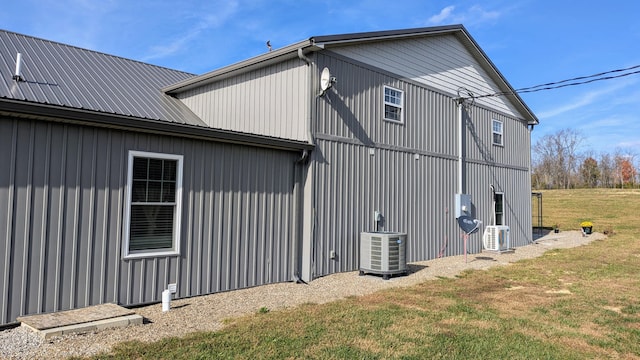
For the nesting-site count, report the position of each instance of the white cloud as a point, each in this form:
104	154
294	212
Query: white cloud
471	16
606	123
203	22
585	99
481	15
634	145
442	16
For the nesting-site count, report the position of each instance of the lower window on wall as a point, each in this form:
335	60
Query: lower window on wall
154	183
499	208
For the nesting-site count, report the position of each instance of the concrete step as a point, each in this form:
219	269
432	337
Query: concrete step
91	318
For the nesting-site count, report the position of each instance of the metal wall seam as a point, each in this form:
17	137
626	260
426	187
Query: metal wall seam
7	271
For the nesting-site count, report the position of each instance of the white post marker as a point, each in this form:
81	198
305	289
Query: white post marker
166	300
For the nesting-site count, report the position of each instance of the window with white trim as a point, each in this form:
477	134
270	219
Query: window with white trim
154	201
393	104
497	132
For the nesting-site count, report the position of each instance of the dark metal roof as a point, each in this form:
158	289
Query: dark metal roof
74	78
385	34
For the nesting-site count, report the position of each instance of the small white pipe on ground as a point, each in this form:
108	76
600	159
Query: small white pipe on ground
166	300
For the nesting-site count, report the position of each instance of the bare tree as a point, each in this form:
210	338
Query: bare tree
607	168
557	158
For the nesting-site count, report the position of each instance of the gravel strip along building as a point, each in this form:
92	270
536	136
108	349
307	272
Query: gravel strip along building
207	313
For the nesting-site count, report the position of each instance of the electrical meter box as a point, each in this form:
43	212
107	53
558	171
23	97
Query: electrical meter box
463	205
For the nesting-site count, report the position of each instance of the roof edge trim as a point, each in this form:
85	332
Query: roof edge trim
513	95
384	35
289	51
48	112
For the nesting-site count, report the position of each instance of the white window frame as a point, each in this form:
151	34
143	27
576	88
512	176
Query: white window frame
494	132
177	210
400	106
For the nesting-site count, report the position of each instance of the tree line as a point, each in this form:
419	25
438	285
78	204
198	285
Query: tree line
559	163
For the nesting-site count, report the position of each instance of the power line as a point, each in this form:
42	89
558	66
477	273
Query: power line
581	80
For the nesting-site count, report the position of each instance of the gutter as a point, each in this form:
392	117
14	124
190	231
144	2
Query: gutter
272	57
16	108
300	166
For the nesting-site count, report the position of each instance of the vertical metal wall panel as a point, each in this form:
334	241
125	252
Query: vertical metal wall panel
440	62
270	101
415	196
354	109
506	167
62	192
515	184
479	139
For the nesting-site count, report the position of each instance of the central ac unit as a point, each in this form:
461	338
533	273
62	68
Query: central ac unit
496	238
383	253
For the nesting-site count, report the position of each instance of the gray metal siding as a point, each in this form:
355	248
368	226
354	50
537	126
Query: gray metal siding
411	178
413	195
62	193
441	62
516	186
272	101
353	109
515	151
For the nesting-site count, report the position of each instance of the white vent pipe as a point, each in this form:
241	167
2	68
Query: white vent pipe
166	300
17	76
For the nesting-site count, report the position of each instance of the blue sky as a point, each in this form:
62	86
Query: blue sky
531	42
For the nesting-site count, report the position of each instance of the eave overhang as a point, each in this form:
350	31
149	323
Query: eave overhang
23	109
272	57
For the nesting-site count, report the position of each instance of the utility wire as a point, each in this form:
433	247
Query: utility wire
581	80
578	78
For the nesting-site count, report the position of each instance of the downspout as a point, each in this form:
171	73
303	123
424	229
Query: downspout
310	95
460	102
299	166
297	206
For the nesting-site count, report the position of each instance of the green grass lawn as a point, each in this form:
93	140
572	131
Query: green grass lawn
581	303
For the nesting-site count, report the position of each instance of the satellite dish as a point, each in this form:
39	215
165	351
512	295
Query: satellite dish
326	80
468	224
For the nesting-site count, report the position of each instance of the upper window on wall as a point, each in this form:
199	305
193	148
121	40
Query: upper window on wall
154	199
497	128
393	104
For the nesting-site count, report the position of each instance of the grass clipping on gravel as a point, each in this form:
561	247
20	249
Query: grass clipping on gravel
568	304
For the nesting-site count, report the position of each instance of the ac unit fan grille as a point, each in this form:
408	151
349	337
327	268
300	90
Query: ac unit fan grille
376	253
394	253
